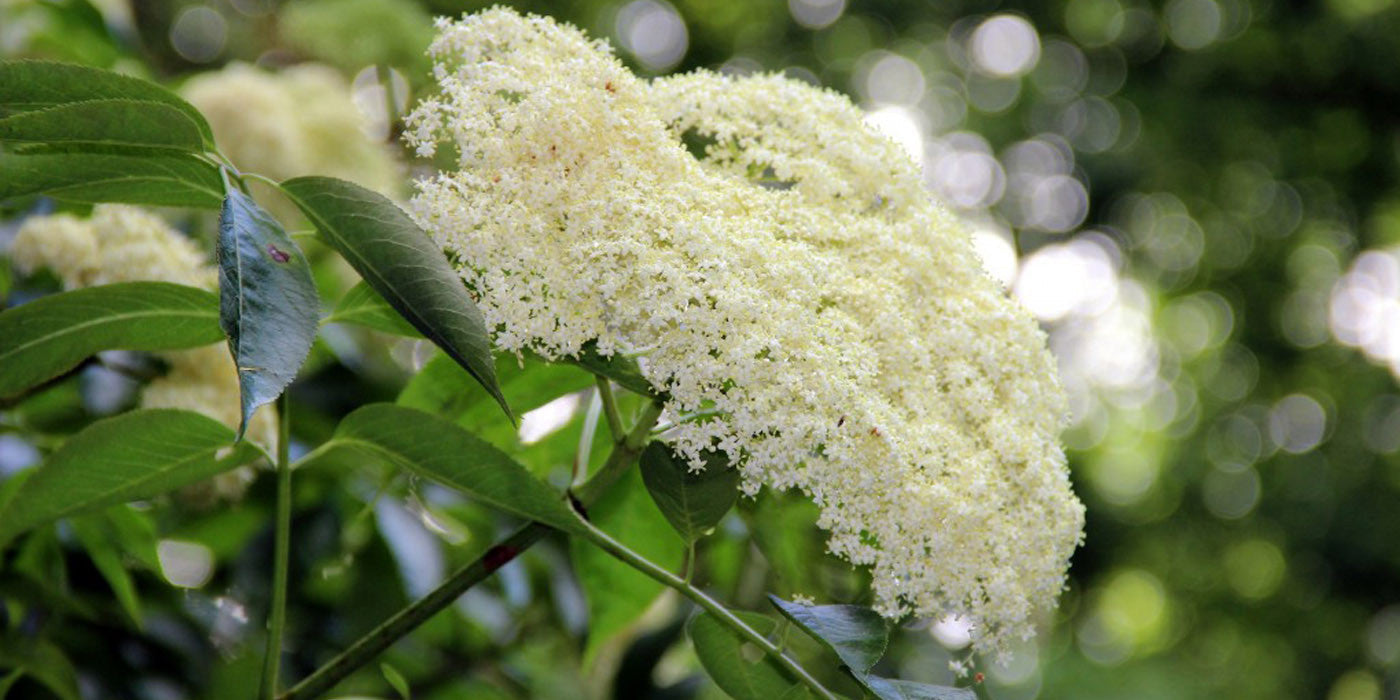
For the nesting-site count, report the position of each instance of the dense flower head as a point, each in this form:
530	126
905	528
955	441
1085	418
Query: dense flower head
121	243
790	287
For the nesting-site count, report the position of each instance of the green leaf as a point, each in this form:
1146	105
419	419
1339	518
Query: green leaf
693	502
623	370
784	527
27	86
617	594
400	262
9	680
6	280
737	666
175	180
110	123
44	662
442	387
124	458
857	634
891	689
50	335
362	306
396	680
439	450
98	543
267	302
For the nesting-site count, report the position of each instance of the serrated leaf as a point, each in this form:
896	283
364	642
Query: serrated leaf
50	335
175	180
430	446
693	502
623	370
27	85
362	306
397	259
126	457
892	689
108	124
858	635
44	662
737	666
268	305
617	594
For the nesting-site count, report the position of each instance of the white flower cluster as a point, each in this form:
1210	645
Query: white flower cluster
299	121
128	244
793	284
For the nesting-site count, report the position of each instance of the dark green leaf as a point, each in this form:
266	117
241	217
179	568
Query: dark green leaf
623	370
693	502
617	594
6	279
400	262
362	306
9	680
111	123
891	689
50	335
737	666
133	533
27	86
435	448
44	662
175	180
124	458
267	302
97	540
857	634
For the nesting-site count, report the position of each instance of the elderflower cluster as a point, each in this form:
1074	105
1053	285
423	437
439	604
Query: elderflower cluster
299	121
127	244
792	290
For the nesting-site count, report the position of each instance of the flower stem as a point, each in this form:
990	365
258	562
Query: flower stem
605	392
606	542
366	648
277	616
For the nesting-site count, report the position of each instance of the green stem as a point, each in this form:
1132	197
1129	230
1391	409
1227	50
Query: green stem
277	617
584	456
689	562
366	648
606	542
605	392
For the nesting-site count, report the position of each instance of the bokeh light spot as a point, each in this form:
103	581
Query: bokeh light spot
653	32
1005	46
199	34
1254	568
185	564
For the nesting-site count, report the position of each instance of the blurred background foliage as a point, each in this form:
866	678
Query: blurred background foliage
1198	198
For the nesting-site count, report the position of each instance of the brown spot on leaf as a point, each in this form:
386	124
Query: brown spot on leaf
499	556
